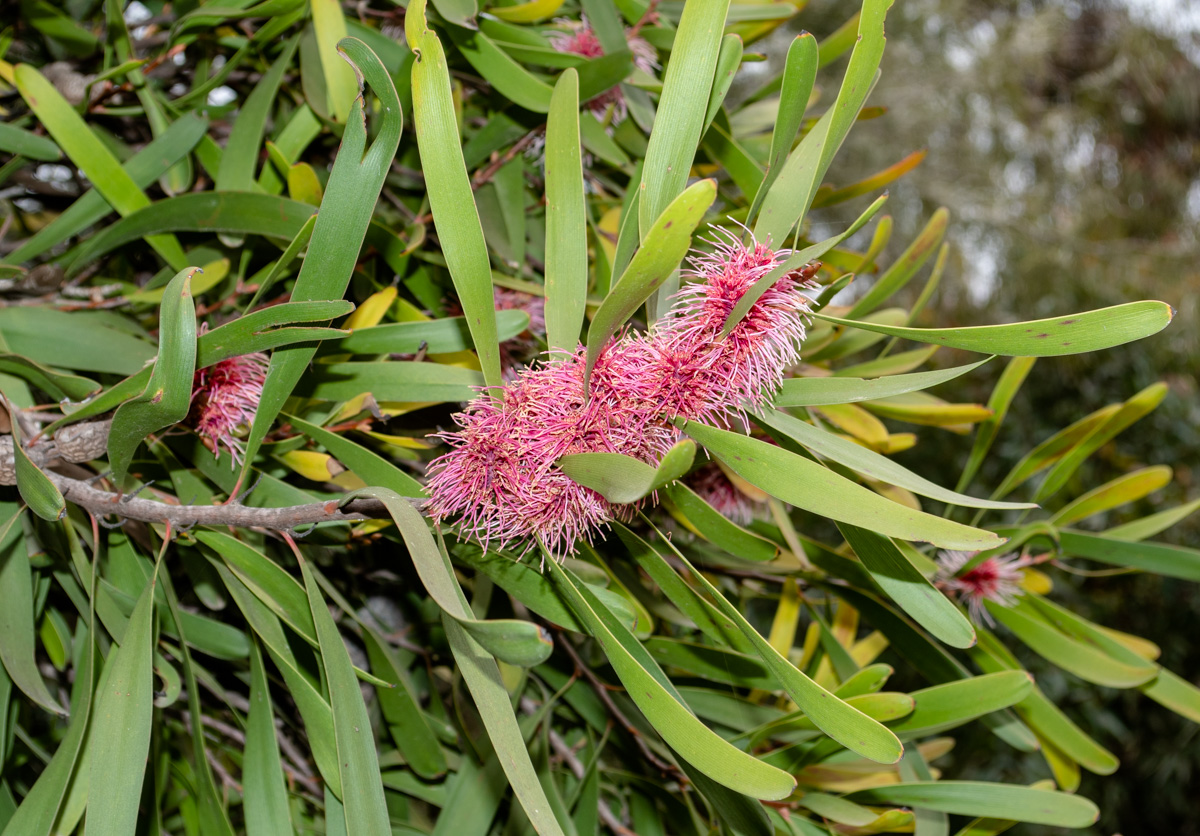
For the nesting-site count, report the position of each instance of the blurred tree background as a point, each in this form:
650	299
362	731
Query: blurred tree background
1064	138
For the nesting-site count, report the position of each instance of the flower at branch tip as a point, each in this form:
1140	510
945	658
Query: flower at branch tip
501	478
996	579
225	399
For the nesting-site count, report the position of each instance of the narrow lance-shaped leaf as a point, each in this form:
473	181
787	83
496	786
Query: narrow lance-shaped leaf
1071	334
362	789
844	723
622	479
799	75
41	494
806	484
905	267
977	798
119	742
566	218
788	200
17	637
91	156
821	391
910	589
346	210
681	729
663	247
168	394
1001	398
681	108
450	197
479	669
265	799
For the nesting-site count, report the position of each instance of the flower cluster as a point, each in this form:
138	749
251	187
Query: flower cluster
996	579
579	38
501	478
225	399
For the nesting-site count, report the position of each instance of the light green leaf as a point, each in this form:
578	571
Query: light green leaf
1159	558
371	467
698	744
438	336
978	798
1124	489
905	267
806	484
346	209
18	644
119	741
362	788
168	394
621	479
822	391
566	219
947	706
663	247
1002	395
1071	334
265	798
449	190
911	590
872	464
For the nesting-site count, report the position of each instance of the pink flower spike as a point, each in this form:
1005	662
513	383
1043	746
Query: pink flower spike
996	579
501	479
225	400
579	38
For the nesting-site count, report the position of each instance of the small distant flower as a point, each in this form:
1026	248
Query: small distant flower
501	478
579	38
225	399
712	485
996	579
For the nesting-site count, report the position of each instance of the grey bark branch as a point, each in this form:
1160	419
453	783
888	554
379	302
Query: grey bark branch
87	441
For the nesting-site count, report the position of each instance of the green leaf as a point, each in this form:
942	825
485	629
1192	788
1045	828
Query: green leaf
394	380
821	391
265	797
788	200
1053	449
566	218
1132	411
871	464
1124	489
510	79
744	815
799	75
478	667
81	341
679	120
168	394
1159	558
715	527
806	484
59	385
119	741
1071	334
911	590
844	723
663	247
729	59
978	798
268	329
795	262
236	172
1073	656
682	731
346	209
89	154
20	142
329	27
449	189
621	479
947	706
362	788
401	710
39	810
1138	530
39	492
438	336
18	643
